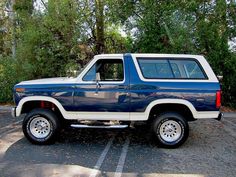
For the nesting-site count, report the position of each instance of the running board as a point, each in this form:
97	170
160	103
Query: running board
98	126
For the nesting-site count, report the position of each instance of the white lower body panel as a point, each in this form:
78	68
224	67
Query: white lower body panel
123	116
133	116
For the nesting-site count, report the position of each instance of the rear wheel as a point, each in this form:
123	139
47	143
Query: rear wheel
41	126
170	129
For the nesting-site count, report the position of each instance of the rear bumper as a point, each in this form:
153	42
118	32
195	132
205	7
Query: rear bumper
13	112
206	114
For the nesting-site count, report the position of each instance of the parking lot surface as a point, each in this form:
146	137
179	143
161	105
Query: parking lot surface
210	151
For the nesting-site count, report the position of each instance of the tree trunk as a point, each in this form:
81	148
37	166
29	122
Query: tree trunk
12	16
100	44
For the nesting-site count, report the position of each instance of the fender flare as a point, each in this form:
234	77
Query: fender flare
145	115
39	98
171	101
196	114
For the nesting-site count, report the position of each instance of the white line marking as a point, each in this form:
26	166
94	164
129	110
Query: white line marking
229	115
17	122
101	158
9	131
9	127
121	162
6	108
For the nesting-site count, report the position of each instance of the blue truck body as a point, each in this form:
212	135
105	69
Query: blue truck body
164	90
134	94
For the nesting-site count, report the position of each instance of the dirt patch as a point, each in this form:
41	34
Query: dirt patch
6	104
227	109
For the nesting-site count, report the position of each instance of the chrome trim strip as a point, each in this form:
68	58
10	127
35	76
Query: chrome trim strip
98	126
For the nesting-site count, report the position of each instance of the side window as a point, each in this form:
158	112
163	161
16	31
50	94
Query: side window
110	70
157	68
189	69
152	68
193	70
175	70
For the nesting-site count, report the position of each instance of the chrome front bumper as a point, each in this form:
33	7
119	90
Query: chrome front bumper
13	112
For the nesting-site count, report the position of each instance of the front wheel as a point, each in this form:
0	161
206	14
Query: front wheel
170	129
41	126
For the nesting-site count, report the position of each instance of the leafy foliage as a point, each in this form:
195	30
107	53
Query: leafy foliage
10	74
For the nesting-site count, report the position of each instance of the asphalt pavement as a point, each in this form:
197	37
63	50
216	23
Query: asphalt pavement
210	151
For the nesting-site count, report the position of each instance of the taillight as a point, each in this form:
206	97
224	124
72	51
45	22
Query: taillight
218	99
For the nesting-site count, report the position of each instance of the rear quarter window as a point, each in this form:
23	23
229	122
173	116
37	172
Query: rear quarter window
157	68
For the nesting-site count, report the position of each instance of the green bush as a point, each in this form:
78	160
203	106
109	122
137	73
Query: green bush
9	76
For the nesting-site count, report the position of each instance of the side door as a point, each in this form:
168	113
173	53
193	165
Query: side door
107	94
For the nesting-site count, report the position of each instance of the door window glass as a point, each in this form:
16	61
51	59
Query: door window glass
110	70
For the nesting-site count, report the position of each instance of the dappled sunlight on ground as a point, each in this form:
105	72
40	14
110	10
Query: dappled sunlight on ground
58	170
54	170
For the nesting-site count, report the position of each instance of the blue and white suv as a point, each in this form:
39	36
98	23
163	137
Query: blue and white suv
167	91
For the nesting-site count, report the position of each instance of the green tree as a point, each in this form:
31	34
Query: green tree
48	40
68	33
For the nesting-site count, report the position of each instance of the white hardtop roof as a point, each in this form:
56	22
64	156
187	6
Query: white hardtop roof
151	55
165	55
109	55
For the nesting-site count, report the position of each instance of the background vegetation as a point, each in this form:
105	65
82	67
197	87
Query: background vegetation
45	38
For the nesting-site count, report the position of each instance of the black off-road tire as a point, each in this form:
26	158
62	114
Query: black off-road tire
39	121
170	129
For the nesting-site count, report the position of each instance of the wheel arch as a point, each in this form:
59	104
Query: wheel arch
183	107
28	103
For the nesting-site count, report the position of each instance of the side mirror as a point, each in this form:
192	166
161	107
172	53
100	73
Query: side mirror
98	78
97	83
